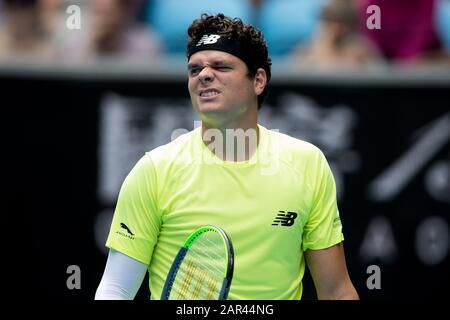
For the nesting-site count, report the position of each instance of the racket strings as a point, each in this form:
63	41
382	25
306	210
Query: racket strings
196	283
201	277
201	274
190	272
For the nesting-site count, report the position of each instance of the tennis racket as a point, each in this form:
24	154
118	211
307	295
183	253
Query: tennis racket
203	268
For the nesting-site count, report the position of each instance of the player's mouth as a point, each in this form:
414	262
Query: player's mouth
208	93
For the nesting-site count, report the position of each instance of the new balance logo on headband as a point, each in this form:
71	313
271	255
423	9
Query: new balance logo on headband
208	39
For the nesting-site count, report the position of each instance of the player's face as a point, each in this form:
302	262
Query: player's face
219	86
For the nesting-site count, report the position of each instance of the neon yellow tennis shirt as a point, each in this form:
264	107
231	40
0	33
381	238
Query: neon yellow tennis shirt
276	205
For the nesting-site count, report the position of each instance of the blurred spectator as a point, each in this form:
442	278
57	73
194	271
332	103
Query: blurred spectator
407	31
288	23
113	31
171	18
22	34
337	43
442	24
256	3
50	12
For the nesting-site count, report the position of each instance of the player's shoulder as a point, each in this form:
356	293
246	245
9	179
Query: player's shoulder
288	145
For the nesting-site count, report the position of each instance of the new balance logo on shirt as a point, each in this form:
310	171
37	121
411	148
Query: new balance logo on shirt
285	219
208	39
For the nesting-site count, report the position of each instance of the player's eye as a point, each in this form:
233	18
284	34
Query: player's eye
223	68
194	71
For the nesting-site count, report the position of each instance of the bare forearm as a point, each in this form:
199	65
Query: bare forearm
348	293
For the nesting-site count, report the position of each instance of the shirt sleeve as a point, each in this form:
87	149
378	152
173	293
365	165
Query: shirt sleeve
136	222
323	228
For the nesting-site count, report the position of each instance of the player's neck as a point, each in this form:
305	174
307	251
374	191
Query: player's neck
233	141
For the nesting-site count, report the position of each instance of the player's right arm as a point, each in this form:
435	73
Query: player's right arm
133	234
122	277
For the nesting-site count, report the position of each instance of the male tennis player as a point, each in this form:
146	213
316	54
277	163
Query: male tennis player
275	197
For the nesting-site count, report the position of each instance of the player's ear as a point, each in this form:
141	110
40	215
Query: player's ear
260	81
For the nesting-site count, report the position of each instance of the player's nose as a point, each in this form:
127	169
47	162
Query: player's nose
206	75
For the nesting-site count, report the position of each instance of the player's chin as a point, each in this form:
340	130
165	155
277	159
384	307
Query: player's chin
210	107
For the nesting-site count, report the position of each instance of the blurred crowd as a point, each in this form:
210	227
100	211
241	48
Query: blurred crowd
313	33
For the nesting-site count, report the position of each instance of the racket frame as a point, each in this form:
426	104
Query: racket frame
184	250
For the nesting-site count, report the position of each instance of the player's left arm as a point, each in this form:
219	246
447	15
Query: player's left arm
329	272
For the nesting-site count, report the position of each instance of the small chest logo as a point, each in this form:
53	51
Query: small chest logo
208	39
285	219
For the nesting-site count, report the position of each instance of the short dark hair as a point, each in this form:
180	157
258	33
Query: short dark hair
234	29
